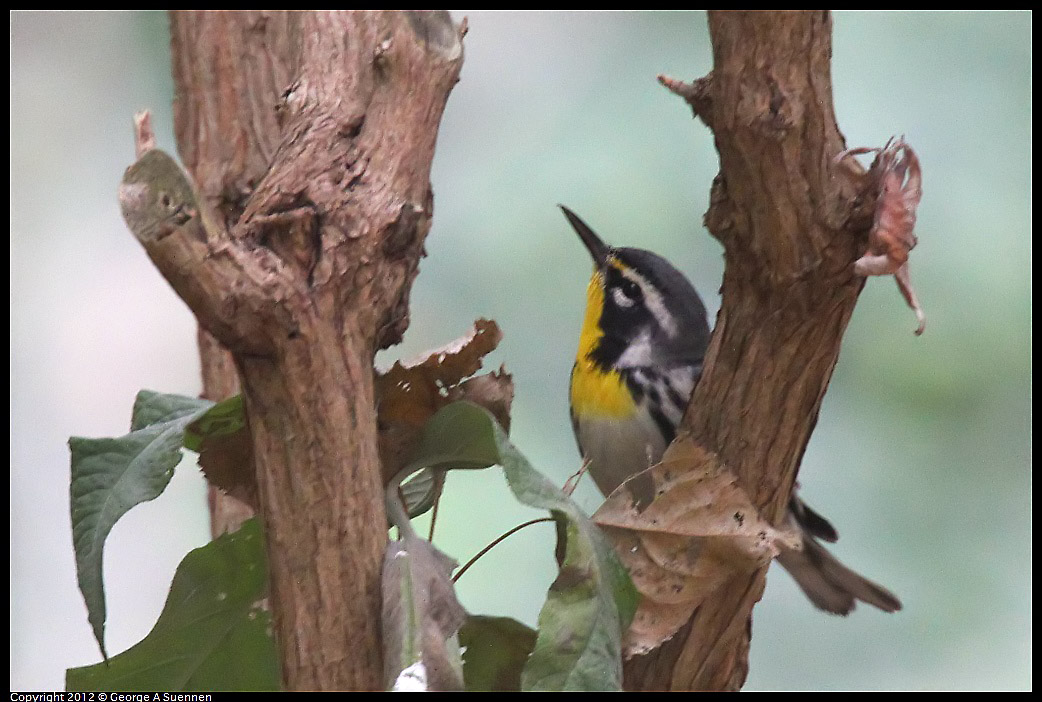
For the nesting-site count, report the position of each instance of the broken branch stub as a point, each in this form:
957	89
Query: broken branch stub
216	279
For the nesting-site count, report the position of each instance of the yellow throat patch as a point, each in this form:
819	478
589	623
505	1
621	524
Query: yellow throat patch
596	392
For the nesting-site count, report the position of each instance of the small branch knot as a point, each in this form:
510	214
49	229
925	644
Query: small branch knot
403	231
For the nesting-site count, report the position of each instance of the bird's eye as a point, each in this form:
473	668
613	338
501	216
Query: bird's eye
631	290
626	293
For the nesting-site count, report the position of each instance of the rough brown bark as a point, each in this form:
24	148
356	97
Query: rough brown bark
244	61
311	135
791	228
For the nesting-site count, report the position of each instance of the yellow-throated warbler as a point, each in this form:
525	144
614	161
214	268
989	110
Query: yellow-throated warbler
641	347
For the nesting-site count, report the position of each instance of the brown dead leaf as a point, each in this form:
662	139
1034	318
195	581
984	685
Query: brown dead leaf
407	396
221	437
699	530
409	393
651	619
897	177
227	463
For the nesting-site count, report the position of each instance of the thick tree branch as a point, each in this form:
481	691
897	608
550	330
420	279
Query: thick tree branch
230	70
788	293
320	203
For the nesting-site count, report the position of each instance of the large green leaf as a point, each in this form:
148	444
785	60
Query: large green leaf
110	476
592	601
589	605
152	408
224	419
211	635
421	615
496	651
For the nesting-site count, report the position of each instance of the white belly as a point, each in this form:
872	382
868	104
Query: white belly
619	448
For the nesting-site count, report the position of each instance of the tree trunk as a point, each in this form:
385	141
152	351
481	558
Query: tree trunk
227	144
311	135
791	230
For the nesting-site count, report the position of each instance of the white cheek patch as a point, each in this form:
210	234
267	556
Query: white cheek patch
638	353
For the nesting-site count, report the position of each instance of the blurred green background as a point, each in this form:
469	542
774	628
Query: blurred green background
922	453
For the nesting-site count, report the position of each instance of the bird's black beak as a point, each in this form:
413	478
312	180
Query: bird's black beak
597	248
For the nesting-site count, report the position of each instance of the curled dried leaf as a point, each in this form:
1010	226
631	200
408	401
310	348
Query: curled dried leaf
896	176
410	392
408	395
494	391
698	530
221	437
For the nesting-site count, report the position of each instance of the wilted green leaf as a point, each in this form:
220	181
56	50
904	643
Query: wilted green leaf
421	617
592	601
588	607
451	439
110	476
152	407
211	634
420	492
496	649
225	418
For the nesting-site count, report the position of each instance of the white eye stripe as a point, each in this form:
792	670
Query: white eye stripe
652	300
